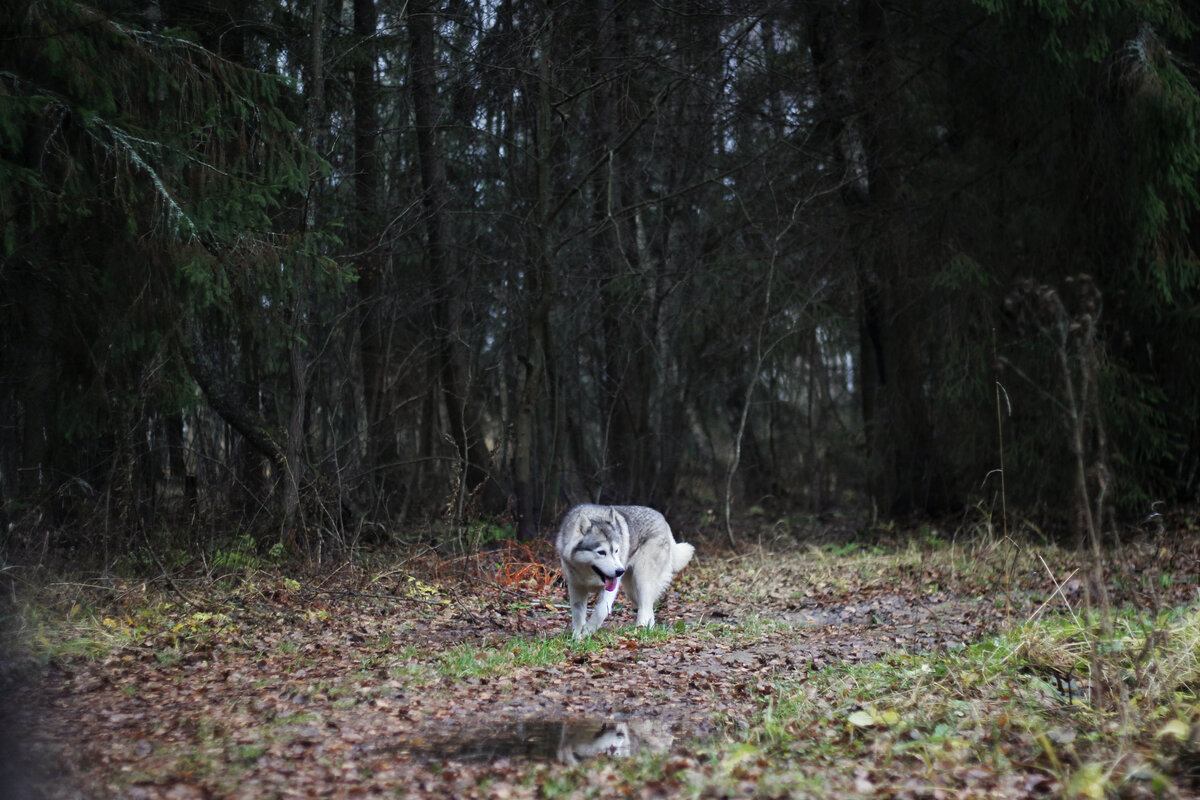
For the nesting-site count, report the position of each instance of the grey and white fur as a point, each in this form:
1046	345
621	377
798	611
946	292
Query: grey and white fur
601	545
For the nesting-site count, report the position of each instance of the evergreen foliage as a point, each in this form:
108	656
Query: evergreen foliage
1118	176
332	267
145	189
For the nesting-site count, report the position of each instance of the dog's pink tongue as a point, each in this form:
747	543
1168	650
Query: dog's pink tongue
610	584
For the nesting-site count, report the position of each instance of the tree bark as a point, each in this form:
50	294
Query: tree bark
223	398
540	290
861	111
900	439
375	329
451	353
294	449
627	367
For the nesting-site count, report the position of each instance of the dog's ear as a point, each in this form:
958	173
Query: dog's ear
612	516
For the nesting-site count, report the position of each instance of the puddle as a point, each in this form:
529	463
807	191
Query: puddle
567	741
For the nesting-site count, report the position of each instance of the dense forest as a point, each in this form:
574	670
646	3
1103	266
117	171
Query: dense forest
325	269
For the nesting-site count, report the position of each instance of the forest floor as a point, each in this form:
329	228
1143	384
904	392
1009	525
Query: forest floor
882	666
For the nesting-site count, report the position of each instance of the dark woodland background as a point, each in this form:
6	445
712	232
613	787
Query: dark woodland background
320	270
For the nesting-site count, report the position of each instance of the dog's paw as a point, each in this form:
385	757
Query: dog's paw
589	629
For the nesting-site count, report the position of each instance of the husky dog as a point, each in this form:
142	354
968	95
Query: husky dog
600	545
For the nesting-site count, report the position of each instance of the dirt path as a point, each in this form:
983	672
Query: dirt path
314	701
684	688
351	694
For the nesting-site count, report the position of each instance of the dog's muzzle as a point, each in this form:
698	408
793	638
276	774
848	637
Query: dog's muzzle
610	581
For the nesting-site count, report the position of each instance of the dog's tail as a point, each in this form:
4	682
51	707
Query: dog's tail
681	554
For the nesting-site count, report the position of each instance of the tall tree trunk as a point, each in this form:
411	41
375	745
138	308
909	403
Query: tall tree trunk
297	363
861	107
177	463
751	462
373	287
39	399
252	490
541	287
294	446
626	365
899	433
315	89
443	269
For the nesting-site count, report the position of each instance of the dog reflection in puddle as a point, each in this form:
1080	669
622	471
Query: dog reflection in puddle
568	741
581	742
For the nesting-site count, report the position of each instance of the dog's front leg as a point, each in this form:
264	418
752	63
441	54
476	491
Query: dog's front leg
600	611
579	598
604	604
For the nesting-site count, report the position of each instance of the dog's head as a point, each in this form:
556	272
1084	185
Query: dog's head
582	742
603	546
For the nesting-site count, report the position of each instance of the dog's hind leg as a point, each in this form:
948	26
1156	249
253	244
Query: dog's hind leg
642	596
645	617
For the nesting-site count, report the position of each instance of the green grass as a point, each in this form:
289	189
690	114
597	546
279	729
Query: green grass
990	709
507	655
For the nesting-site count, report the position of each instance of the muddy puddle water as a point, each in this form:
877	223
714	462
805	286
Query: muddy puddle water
567	741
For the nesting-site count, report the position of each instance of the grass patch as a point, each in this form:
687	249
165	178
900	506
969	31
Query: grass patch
479	661
1008	715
